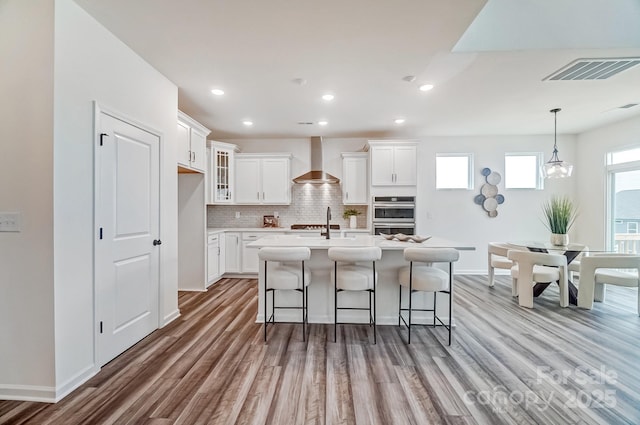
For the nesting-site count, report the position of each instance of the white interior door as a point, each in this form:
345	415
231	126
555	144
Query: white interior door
127	221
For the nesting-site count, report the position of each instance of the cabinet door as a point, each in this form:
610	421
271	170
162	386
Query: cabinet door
382	173
247	181
405	165
213	265
222	256
232	253
354	181
198	150
183	149
250	260
276	181
222	176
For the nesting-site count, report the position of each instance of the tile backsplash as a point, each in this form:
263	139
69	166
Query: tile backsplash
308	206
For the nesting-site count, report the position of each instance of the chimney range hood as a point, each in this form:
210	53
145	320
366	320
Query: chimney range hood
316	175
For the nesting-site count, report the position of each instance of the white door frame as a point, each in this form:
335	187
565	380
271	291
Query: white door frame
99	109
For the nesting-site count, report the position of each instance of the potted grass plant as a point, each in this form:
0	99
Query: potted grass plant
560	213
350	214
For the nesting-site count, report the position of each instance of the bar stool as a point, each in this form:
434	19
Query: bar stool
285	274
427	278
351	276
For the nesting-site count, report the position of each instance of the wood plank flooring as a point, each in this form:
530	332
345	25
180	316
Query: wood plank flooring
506	365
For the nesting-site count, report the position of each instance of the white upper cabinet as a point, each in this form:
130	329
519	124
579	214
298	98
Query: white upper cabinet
393	163
221	169
192	144
354	178
263	179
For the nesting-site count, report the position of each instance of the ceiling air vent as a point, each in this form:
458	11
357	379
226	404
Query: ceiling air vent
593	69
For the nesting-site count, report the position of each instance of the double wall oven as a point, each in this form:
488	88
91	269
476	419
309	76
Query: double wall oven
394	214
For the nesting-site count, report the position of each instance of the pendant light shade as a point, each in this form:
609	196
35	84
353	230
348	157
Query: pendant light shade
556	168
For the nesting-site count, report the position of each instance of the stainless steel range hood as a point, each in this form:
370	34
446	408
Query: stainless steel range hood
317	174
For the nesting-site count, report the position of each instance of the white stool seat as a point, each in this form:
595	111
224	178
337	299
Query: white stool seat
352	277
286	276
425	278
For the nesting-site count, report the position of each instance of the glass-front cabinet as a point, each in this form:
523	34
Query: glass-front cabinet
221	169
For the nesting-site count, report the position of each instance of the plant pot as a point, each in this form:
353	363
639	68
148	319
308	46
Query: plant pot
559	239
353	222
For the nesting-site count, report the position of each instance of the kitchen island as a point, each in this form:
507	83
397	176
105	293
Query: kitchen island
321	289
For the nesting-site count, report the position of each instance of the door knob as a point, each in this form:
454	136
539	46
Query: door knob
157	242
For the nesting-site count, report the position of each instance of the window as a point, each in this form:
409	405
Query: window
454	171
522	170
623	201
620	157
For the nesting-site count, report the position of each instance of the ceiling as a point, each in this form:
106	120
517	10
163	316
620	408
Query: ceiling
486	59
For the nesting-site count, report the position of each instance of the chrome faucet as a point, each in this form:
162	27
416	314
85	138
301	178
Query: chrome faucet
328	226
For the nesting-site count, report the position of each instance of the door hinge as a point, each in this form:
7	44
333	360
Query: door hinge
101	137
101	326
101	233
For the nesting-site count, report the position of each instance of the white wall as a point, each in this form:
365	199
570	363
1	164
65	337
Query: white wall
91	64
591	186
26	172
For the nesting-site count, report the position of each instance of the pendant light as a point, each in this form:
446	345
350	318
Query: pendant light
555	168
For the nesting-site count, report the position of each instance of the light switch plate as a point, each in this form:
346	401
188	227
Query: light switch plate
10	221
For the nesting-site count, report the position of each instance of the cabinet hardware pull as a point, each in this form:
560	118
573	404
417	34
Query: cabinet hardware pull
263	196
258	194
157	242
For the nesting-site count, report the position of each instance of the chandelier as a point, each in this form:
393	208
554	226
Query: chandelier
556	168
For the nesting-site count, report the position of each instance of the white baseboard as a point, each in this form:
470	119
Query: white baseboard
170	317
28	393
73	383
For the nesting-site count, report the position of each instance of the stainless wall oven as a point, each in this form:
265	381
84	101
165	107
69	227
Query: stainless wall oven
394	214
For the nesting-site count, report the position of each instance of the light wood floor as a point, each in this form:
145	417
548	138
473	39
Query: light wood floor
506	365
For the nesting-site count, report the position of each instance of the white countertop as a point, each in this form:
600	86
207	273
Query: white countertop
354	241
213	230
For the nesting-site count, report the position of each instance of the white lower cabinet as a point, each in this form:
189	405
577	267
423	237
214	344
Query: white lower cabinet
233	250
215	258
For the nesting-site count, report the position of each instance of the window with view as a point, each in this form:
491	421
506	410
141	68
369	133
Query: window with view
454	171
624	200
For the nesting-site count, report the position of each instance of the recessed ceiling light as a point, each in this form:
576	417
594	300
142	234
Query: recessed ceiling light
409	78
323	122
217	92
327	97
426	87
247	123
399	120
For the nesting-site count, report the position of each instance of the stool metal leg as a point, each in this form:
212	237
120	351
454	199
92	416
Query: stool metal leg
450	300
375	310
434	309
265	301
410	297
304	307
335	305
399	303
